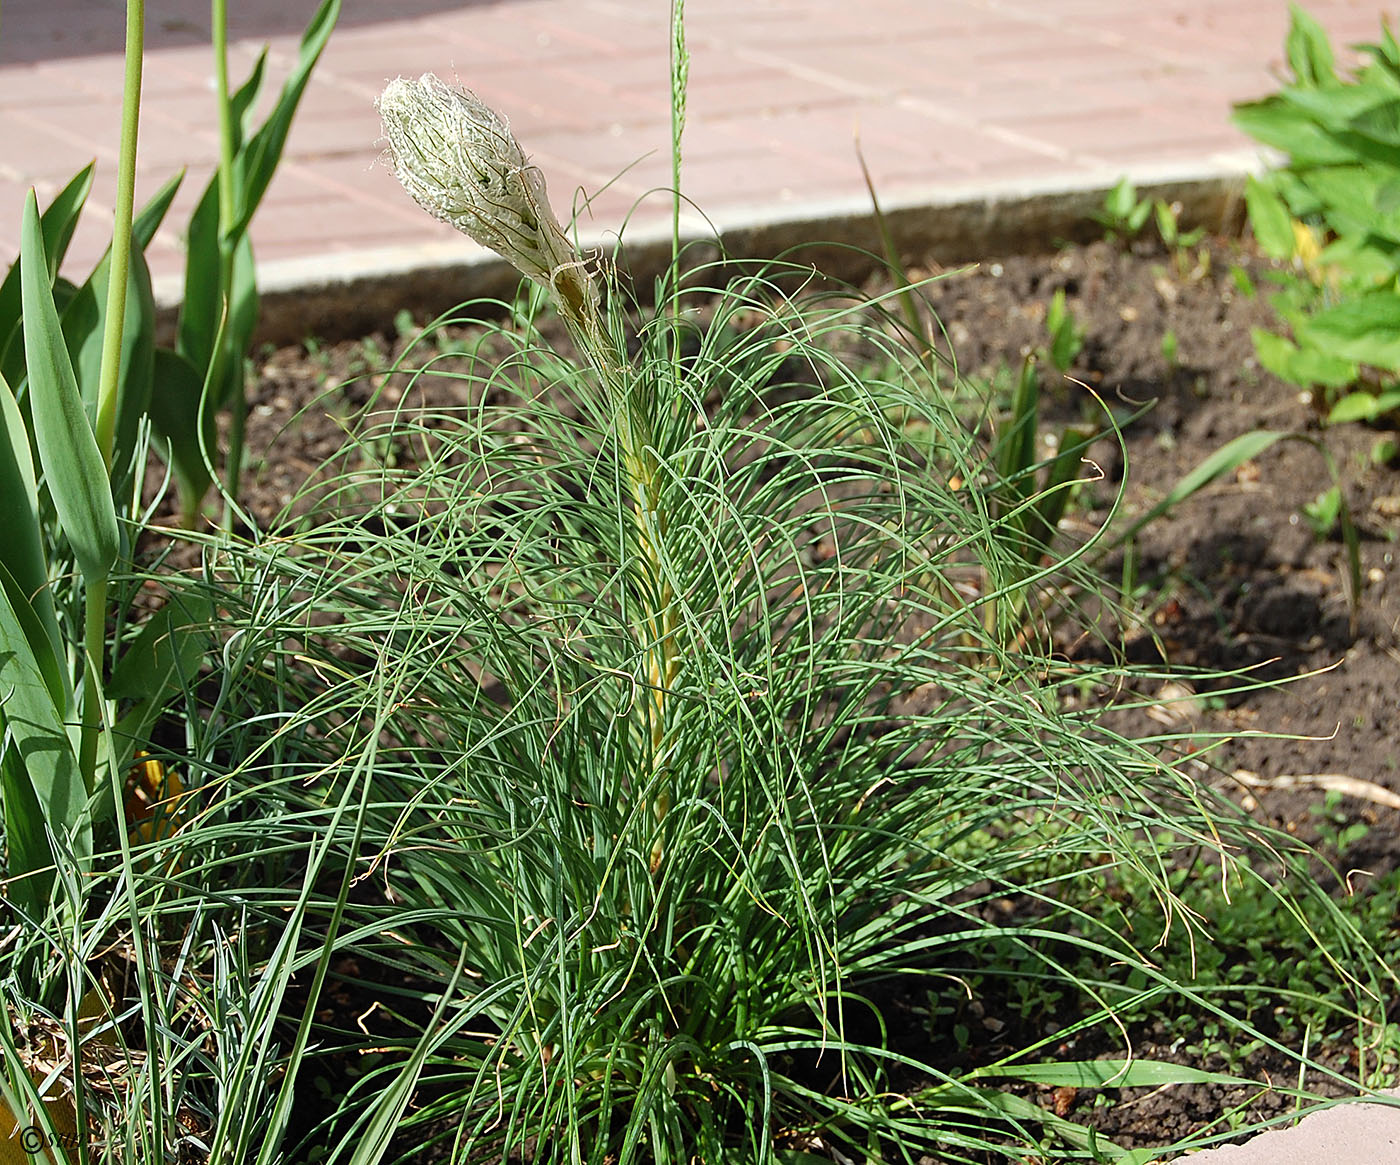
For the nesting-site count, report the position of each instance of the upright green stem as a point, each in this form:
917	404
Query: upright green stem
109	379
680	76
110	373
228	215
658	623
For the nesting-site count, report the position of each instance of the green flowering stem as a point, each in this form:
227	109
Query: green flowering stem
109	377
459	161
229	214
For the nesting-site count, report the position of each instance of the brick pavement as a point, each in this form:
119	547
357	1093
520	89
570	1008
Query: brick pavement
942	93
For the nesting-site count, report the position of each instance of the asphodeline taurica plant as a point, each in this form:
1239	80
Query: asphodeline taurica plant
458	159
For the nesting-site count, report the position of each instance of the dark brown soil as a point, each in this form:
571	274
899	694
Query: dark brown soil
1234	578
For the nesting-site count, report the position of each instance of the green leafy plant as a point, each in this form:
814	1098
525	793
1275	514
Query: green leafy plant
1331	214
1171	348
1324	512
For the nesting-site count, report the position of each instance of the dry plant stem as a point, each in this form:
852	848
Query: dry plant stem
459	161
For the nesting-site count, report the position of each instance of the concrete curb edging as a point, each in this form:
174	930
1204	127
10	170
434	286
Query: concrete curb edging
349	295
1356	1132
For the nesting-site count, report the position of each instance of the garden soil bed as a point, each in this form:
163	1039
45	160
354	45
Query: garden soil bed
1234	578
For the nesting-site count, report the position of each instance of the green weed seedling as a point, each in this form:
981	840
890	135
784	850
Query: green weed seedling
1171	349
1123	215
1324	512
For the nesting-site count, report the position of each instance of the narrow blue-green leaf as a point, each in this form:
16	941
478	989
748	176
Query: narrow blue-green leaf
1114	1074
21	534
73	467
39	735
60	220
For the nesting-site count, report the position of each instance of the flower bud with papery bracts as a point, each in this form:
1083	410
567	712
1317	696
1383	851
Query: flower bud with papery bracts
458	159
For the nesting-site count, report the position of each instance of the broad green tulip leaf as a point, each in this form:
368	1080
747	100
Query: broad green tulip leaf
1273	225
21	533
256	160
1226	459
242	321
176	392
264	150
171	643
27	844
47	658
59	222
82	316
74	470
160	662
1111	1074
203	305
1024	1109
1059	480
84	327
38	738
